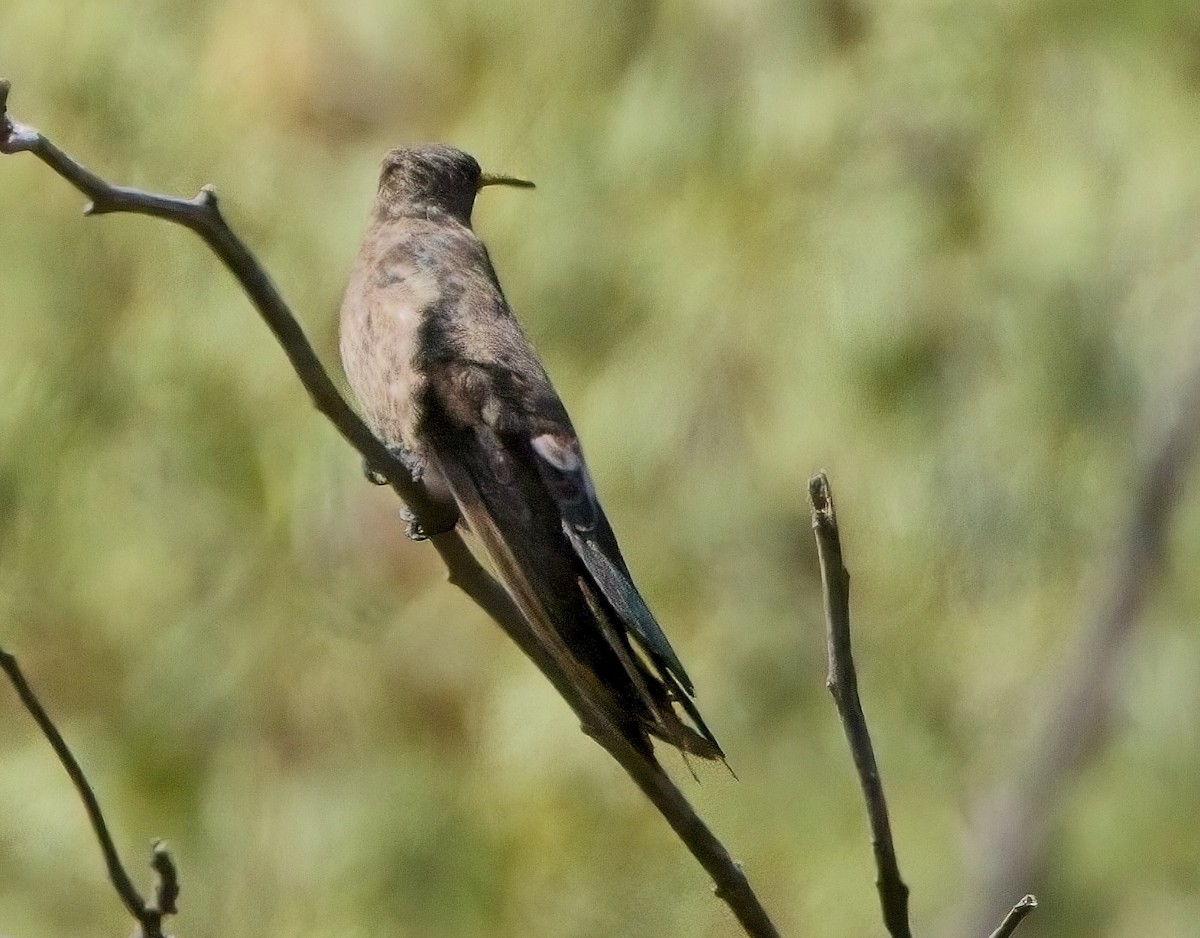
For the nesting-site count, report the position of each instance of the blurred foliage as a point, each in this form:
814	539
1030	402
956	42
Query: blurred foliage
944	250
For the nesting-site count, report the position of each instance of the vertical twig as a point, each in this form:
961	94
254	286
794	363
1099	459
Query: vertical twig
843	685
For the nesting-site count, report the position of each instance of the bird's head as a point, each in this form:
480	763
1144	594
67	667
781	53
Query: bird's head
434	176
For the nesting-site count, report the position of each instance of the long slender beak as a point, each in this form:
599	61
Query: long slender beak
492	179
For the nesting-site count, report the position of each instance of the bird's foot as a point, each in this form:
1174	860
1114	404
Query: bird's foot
417	531
413	526
415	466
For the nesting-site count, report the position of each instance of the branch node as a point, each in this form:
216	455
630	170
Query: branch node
724	892
819	495
207	196
101	205
14	137
166	890
1015	917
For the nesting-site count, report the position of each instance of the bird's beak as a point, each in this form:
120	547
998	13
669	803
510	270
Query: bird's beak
491	179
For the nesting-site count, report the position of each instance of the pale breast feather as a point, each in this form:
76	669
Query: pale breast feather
379	339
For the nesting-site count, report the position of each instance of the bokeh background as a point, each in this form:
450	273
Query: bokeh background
945	250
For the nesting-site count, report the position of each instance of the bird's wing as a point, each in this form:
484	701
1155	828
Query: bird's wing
507	450
490	515
565	474
498	497
506	447
561	466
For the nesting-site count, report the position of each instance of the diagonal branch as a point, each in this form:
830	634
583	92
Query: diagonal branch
202	215
1019	816
148	915
843	685
128	893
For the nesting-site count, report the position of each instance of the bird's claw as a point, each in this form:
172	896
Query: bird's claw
413	526
437	523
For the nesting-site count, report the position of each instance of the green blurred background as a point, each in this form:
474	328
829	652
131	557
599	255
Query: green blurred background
945	250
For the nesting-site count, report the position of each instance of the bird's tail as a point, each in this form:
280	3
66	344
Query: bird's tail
657	689
529	595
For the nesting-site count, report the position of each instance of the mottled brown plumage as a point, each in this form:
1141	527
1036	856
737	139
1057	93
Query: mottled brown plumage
446	377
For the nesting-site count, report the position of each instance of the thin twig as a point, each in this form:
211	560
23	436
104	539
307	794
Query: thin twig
148	915
1015	917
202	216
121	882
843	685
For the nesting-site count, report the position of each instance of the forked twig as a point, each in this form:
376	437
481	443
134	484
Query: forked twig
148	915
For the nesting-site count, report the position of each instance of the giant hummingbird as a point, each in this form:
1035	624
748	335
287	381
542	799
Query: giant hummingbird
445	377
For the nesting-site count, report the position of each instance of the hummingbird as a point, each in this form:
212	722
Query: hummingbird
446	378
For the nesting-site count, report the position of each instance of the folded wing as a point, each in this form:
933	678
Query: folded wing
522	485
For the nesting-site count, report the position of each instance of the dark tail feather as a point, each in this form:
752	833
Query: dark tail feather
662	720
628	604
567	596
482	520
632	611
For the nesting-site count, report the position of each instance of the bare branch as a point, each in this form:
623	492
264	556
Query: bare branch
121	882
731	884
843	685
1020	814
149	916
202	216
